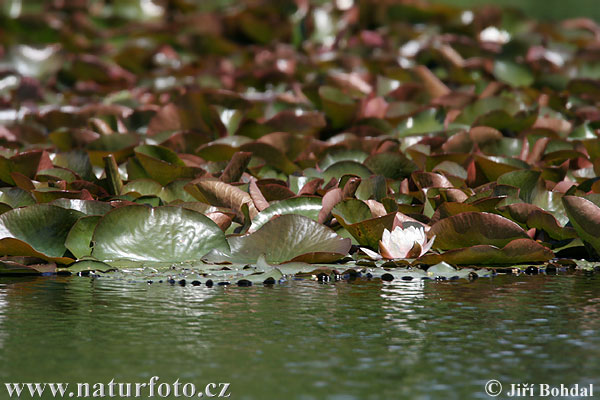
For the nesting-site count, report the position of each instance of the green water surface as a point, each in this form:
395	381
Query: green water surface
303	339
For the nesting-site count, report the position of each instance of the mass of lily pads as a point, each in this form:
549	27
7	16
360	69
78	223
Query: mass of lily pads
390	139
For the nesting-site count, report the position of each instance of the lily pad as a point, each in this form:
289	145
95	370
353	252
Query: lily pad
221	194
286	238
87	207
512	73
38	230
79	239
515	252
585	217
164	234
390	165
473	228
162	164
306	206
355	216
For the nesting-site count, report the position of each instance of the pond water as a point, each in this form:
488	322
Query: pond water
303	339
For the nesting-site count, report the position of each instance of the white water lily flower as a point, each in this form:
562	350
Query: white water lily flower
404	243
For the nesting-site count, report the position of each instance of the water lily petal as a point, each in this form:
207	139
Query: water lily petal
427	246
371	254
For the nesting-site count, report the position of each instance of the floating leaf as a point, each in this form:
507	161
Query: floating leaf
342	168
297	238
12	268
16	197
79	239
306	206
355	216
221	194
163	165
512	73
38	230
585	218
339	107
87	207
535	217
166	234
526	180
472	228
517	251
390	165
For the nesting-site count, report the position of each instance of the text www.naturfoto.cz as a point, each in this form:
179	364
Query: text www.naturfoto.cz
150	389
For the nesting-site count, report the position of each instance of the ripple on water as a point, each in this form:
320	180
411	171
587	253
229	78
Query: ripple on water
345	340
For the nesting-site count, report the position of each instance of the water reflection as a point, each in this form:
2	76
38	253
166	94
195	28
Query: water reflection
401	306
353	340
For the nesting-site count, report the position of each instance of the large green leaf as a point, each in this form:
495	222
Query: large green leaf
585	218
342	168
221	194
24	163
162	164
80	236
534	217
39	230
145	187
517	251
168	234
88	207
473	228
390	165
16	197
355	216
494	167
286	238
307	206
527	181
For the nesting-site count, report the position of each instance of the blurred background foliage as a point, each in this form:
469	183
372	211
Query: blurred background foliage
150	9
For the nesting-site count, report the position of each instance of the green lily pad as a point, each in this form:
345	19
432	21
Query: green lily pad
164	234
535	217
486	105
56	174
120	146
79	239
419	124
473	228
447	271
355	216
221	194
162	164
88	207
306	206
515	252
336	155
144	187
512	73
585	218
526	180
39	230
339	107
342	168
16	197
493	167
286	238
390	165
